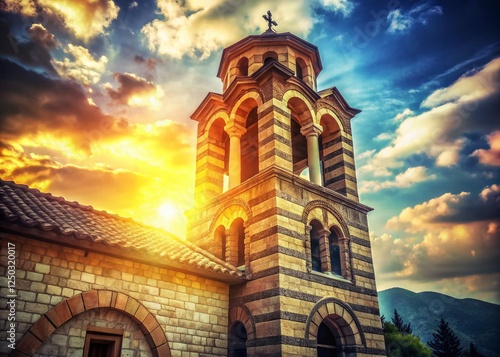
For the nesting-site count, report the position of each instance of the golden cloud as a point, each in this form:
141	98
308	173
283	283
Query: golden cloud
490	156
135	91
451	238
83	67
86	19
197	28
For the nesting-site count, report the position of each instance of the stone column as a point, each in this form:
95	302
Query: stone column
235	132
231	246
345	257
324	250
311	132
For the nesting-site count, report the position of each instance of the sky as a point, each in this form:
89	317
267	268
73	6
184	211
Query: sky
95	99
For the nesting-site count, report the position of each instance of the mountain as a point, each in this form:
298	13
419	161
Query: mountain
472	320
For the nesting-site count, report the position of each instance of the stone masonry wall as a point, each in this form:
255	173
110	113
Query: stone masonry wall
191	311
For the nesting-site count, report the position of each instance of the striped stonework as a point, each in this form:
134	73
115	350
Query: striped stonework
302	244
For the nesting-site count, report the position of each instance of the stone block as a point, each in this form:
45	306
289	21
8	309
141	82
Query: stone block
90	299
42	328
28	344
59	314
75	304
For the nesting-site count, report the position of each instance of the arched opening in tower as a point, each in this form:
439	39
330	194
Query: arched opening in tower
250	147
242	67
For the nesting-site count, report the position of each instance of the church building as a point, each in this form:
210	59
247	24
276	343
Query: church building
277	258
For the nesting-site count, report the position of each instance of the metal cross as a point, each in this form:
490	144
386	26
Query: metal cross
270	21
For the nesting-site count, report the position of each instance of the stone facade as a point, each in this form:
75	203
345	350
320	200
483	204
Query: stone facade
61	290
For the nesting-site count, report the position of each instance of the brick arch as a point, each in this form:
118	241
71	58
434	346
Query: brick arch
241	209
339	314
241	313
327	111
89	300
310	207
251	95
219	114
308	116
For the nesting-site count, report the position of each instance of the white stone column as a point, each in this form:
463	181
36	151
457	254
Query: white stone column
235	133
312	132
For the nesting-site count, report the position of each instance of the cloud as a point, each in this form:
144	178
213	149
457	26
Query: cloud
404	114
85	19
39	34
33	104
197	28
34	52
470	105
402	22
448	209
83	68
450	238
408	178
345	7
24	7
134	90
490	156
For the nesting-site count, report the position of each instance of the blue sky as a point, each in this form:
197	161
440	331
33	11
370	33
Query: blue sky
97	97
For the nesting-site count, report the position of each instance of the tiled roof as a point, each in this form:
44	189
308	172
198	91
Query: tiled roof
32	208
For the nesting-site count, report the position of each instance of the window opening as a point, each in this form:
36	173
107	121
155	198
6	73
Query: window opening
102	342
333	240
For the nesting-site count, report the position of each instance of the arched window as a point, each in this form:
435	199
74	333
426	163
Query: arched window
315	245
269	56
237	340
301	69
333	242
242	67
220	242
299	148
250	147
236	245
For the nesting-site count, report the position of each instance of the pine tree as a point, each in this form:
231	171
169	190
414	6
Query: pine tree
472	352
444	342
397	320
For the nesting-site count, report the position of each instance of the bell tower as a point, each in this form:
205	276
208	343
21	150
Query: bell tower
276	196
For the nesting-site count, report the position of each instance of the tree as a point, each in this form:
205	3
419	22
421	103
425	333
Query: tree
397	320
472	352
444	341
398	344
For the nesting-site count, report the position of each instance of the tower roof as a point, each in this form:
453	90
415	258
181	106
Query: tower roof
267	39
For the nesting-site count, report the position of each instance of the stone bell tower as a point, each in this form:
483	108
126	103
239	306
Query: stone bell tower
276	197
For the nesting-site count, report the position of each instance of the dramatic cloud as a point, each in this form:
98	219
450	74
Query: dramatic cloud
448	237
134	90
83	67
24	7
471	104
86	19
197	28
408	178
400	21
35	52
39	34
490	156
33	105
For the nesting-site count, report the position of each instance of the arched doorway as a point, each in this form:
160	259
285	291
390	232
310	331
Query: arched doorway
237	340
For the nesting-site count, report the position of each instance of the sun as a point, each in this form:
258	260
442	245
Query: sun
171	218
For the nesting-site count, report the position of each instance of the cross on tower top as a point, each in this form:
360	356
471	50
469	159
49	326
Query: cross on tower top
270	21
